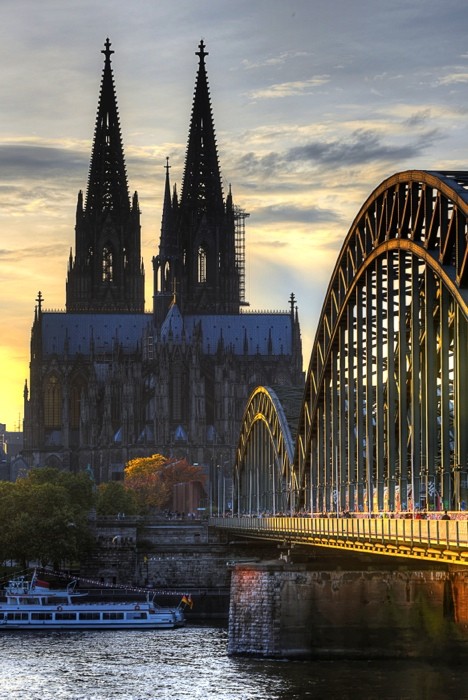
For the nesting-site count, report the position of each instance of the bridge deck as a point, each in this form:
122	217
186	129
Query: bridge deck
433	540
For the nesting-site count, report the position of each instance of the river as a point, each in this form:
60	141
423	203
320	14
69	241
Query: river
192	663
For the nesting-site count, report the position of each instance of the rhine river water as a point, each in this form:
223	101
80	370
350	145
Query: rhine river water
192	663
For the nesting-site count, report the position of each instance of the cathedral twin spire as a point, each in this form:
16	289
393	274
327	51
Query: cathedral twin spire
196	260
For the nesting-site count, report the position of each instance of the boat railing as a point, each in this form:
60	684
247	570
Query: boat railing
18	586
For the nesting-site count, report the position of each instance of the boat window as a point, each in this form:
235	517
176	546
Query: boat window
137	615
90	616
41	616
65	616
17	616
30	601
112	616
57	600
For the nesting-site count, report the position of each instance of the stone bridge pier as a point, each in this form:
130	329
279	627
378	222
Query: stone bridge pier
280	609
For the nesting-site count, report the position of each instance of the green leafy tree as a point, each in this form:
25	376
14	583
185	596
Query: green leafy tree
79	487
45	517
7	515
113	498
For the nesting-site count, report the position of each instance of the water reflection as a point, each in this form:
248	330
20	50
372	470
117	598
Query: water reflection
192	663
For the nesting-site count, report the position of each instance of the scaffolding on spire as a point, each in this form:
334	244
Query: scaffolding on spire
240	215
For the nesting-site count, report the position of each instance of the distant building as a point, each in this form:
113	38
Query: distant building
11	444
189	498
110	382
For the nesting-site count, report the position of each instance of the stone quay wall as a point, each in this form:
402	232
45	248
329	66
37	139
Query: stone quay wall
172	556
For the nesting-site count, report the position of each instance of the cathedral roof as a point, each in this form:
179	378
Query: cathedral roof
242	334
77	333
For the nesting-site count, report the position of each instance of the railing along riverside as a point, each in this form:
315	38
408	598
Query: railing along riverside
443	539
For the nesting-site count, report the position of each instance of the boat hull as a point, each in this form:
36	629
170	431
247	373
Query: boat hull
14	626
72	618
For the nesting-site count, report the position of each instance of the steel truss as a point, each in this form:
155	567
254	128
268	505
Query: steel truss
384	423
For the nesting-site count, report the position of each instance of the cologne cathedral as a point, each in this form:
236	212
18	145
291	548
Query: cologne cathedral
109	381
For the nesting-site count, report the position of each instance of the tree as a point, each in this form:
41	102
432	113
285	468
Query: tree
7	514
79	487
153	479
44	517
113	498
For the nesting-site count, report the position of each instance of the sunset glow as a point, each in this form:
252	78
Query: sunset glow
314	104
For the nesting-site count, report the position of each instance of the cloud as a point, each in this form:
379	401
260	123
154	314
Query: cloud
361	147
30	160
279	214
419	118
279	60
289	89
453	78
40	251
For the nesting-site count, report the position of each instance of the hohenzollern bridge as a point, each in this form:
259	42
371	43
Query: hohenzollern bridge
376	447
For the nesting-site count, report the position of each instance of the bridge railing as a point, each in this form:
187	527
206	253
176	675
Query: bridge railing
437	533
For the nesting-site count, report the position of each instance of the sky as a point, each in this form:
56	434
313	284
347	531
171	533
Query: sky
315	103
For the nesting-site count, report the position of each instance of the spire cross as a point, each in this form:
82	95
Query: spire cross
292	300
107	51
167	166
202	53
39	300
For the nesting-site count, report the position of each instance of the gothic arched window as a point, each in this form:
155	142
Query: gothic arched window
201	265
52	403
107	264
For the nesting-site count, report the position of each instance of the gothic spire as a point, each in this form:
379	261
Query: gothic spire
201	186
107	182
167	242
197	251
107	275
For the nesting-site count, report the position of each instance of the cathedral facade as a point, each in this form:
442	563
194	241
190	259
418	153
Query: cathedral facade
110	382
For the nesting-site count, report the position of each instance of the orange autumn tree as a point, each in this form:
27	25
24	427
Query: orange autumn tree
152	479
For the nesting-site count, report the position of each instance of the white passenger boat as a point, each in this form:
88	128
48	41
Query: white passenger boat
32	604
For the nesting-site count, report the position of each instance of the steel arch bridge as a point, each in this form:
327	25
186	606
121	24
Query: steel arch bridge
383	423
263	469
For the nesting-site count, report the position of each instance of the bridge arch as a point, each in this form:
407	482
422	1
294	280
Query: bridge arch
263	471
384	421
